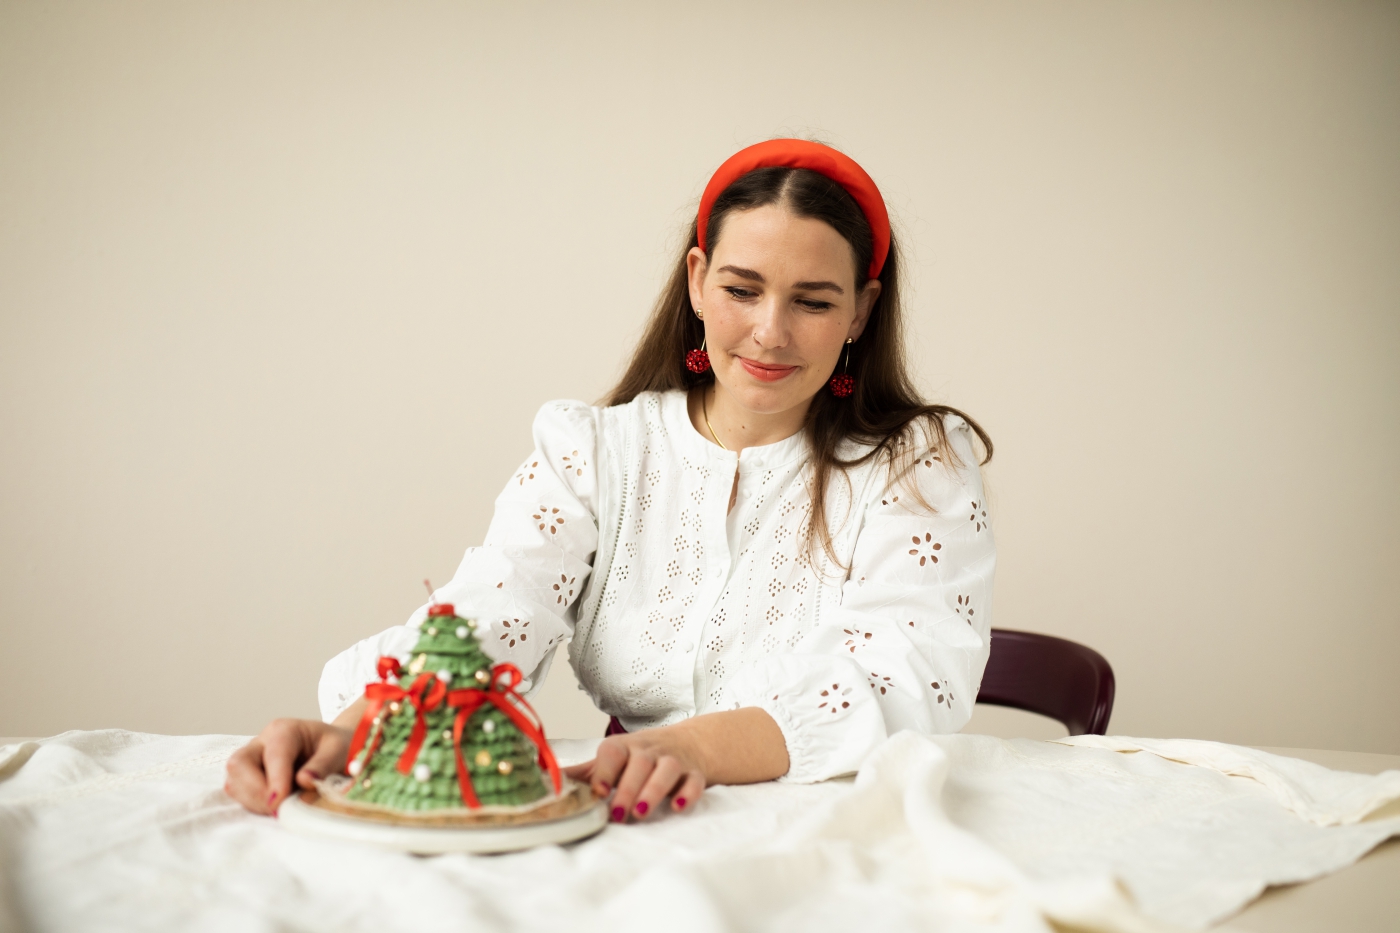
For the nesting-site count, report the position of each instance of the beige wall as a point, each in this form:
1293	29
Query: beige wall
281	286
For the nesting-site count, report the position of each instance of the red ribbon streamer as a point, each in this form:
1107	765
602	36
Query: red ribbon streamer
427	692
504	698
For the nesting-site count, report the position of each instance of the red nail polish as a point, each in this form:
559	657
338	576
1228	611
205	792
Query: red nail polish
272	796
618	814
607	788
641	808
680	803
315	775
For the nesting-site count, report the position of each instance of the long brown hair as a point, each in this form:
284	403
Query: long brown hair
885	411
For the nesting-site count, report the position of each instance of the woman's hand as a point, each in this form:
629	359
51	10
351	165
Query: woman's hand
260	774
740	746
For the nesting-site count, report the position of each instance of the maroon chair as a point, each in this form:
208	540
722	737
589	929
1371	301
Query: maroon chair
1051	676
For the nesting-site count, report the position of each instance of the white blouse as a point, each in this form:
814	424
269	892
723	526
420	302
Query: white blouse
614	535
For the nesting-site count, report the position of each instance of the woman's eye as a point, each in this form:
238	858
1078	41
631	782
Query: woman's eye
811	305
740	293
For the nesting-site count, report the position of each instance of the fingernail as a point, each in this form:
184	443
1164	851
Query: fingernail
618	814
272	796
641	808
607	788
315	775
680	803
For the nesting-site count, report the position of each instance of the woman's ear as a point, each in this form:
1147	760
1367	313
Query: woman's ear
865	302
696	266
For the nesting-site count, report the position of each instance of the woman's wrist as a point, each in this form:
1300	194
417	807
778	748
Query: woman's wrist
742	746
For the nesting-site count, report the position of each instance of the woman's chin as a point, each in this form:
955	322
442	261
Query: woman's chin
768	398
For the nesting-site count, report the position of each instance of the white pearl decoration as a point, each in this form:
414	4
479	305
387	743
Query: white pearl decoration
462	631
489	726
432	631
445	676
421	773
356	767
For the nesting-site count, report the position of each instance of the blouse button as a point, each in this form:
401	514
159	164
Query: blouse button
689	647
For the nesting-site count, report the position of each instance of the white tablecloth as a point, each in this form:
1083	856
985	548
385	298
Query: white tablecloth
116	830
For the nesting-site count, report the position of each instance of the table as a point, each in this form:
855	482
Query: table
1364	898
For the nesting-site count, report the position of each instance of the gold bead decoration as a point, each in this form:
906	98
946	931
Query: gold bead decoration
368	782
505	767
417	666
482	676
483	758
395	706
432	632
447	735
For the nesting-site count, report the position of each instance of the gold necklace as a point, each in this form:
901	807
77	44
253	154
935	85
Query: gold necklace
705	411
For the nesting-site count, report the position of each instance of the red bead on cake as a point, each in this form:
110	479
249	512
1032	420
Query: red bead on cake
442	609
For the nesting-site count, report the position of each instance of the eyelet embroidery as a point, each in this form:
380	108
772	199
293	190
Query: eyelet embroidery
574	462
936	685
833	696
526	472
514	629
880	683
565	583
858	638
925	549
548	518
979	517
964	608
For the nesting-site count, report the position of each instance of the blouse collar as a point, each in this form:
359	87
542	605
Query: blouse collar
767	457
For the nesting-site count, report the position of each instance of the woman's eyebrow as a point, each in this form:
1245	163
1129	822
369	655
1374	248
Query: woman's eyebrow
753	276
743	273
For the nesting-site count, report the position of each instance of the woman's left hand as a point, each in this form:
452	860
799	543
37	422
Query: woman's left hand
643	769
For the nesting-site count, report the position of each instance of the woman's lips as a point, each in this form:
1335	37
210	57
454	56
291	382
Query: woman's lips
767	372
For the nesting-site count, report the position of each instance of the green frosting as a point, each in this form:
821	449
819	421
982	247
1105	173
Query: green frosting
488	739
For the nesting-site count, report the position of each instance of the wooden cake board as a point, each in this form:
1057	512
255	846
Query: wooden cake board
574	814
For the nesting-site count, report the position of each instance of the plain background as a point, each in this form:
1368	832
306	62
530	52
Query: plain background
283	284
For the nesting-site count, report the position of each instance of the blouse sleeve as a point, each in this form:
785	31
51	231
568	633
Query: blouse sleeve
523	583
906	647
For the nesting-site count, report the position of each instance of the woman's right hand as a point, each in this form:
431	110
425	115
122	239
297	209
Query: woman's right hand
260	774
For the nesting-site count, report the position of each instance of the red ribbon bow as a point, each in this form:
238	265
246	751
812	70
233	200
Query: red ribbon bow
426	694
504	698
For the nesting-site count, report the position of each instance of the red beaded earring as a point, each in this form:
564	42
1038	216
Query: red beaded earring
698	361
844	384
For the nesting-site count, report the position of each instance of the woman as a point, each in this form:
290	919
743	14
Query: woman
769	554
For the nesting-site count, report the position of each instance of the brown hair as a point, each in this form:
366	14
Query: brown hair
885	411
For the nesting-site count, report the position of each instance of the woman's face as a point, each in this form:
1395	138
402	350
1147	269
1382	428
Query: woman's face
779	299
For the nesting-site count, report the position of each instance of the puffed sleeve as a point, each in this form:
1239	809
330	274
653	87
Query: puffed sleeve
523	583
906	647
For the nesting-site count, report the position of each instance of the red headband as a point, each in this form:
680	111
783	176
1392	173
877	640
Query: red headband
799	153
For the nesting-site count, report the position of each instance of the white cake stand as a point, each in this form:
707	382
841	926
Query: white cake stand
308	815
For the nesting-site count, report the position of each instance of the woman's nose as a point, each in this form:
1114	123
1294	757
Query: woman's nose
770	326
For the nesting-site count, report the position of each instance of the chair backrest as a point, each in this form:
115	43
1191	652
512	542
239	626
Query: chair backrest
1051	676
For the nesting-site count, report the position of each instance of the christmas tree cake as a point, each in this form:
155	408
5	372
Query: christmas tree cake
449	730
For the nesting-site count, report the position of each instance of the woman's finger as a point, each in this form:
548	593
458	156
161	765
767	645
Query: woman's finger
328	758
282	749
630	783
692	786
608	765
662	780
246	782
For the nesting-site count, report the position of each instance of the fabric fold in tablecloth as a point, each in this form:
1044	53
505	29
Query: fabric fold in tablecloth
112	830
